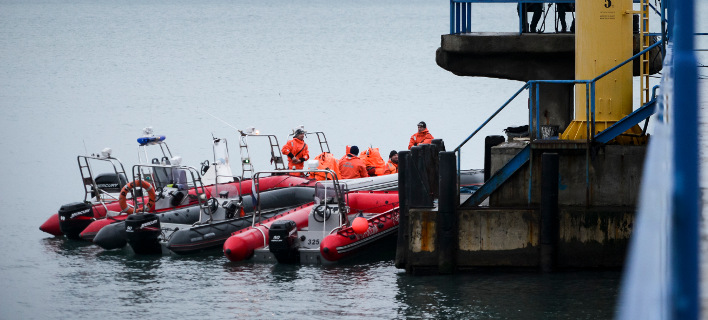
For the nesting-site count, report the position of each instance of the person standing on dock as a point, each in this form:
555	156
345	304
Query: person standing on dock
296	150
423	136
392	164
562	8
537	9
350	166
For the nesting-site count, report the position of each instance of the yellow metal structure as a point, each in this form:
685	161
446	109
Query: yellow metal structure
643	44
603	40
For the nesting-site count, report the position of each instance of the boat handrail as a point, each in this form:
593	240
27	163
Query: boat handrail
148	175
322	140
142	151
88	178
276	156
255	192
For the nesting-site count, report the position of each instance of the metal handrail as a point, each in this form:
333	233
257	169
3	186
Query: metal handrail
339	193
461	12
534	84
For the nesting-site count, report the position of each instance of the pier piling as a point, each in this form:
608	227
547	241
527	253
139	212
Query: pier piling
447	216
549	211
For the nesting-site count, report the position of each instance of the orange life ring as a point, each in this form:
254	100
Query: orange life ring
124	192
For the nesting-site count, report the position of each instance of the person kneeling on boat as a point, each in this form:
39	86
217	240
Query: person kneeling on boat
423	136
351	166
327	162
296	150
392	164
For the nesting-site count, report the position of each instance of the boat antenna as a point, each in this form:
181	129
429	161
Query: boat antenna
226	123
85	150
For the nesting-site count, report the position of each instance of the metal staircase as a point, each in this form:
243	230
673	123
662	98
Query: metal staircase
521	158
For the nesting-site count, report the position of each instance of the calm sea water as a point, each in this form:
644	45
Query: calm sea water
77	76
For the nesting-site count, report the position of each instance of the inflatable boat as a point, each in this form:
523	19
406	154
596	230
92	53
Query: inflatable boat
297	235
102	191
193	229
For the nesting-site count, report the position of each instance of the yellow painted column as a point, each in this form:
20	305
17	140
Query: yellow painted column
603	40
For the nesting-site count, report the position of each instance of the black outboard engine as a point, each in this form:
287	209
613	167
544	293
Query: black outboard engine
143	233
283	241
75	217
110	182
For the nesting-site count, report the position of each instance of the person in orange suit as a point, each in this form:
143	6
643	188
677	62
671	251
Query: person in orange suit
375	166
327	162
392	164
423	136
296	150
351	166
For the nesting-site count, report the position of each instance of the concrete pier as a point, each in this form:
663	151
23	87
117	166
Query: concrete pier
594	219
597	187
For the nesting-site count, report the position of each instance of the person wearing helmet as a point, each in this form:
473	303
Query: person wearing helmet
423	136
392	164
296	150
350	166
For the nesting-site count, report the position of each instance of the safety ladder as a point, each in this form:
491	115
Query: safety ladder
644	59
324	146
91	189
246	165
87	178
275	155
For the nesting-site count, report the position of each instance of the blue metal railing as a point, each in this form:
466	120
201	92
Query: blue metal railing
534	107
461	12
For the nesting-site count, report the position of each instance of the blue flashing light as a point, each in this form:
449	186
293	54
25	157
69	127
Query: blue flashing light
151	139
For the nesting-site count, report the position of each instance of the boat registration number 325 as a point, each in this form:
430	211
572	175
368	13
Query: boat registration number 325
313	242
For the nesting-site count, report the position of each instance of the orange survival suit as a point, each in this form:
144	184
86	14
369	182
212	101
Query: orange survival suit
351	167
327	162
296	149
420	138
391	167
373	162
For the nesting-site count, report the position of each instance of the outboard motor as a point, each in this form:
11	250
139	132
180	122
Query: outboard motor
283	241
143	233
110	182
75	217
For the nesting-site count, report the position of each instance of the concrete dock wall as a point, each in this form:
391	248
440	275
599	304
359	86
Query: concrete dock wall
510	238
612	178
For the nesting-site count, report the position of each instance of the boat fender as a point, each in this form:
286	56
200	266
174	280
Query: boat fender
145	186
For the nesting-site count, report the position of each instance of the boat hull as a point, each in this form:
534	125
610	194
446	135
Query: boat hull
242	244
54	225
346	242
